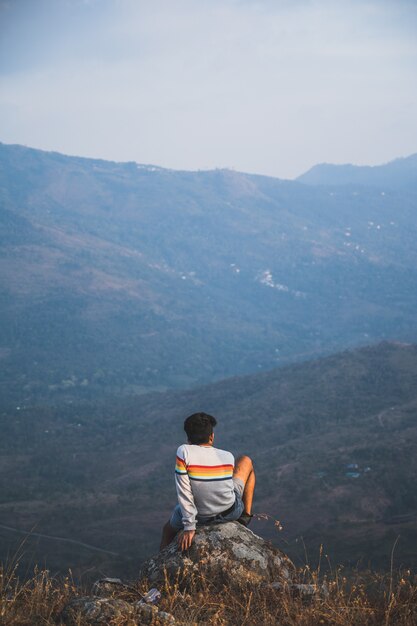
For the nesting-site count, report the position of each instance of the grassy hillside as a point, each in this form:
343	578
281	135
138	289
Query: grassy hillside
353	600
333	442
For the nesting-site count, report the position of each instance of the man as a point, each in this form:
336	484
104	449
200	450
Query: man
210	486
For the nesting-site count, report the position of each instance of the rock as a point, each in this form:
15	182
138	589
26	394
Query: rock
105	587
94	611
149	614
302	588
228	553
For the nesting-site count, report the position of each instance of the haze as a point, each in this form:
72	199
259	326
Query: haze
268	87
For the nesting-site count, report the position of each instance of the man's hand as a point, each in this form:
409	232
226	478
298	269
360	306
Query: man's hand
185	539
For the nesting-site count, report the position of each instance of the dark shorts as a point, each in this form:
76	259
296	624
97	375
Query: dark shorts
176	517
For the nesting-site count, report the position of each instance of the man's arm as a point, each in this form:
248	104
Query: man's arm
186	502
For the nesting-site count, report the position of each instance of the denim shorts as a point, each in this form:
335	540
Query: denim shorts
238	508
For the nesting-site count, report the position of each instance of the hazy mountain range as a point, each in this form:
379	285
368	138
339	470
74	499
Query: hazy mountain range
120	277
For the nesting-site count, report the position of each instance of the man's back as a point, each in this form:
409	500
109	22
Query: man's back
208	473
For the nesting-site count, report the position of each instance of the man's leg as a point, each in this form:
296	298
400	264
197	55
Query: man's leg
168	534
172	527
244	470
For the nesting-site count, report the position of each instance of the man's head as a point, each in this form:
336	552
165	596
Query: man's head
199	428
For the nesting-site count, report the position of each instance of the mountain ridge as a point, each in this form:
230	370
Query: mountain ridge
400	172
410	159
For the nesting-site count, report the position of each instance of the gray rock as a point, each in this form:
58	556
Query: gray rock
302	588
106	587
94	611
228	553
149	614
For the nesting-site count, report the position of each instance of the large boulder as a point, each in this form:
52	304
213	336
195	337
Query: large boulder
227	553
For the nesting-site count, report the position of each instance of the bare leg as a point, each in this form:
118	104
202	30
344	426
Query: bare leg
248	492
168	534
244	470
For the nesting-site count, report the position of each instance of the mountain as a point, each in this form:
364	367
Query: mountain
333	442
398	174
124	278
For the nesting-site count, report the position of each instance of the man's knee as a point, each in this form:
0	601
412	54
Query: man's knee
245	461
243	468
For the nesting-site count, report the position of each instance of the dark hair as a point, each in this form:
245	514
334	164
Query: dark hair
199	427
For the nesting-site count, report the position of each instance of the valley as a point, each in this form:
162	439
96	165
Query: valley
333	442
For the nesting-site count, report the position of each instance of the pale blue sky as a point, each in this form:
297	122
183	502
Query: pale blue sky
262	86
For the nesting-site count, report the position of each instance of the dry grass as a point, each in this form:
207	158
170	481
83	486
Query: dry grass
360	599
37	600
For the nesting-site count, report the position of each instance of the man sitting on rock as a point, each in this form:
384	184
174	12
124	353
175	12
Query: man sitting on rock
210	486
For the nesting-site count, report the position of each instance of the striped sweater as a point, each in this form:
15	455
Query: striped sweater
203	478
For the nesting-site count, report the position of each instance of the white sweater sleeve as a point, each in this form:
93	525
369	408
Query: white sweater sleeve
184	492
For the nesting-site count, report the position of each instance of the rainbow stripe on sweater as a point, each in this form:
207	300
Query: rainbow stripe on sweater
180	467
204	472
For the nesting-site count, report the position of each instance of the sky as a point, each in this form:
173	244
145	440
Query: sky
263	86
